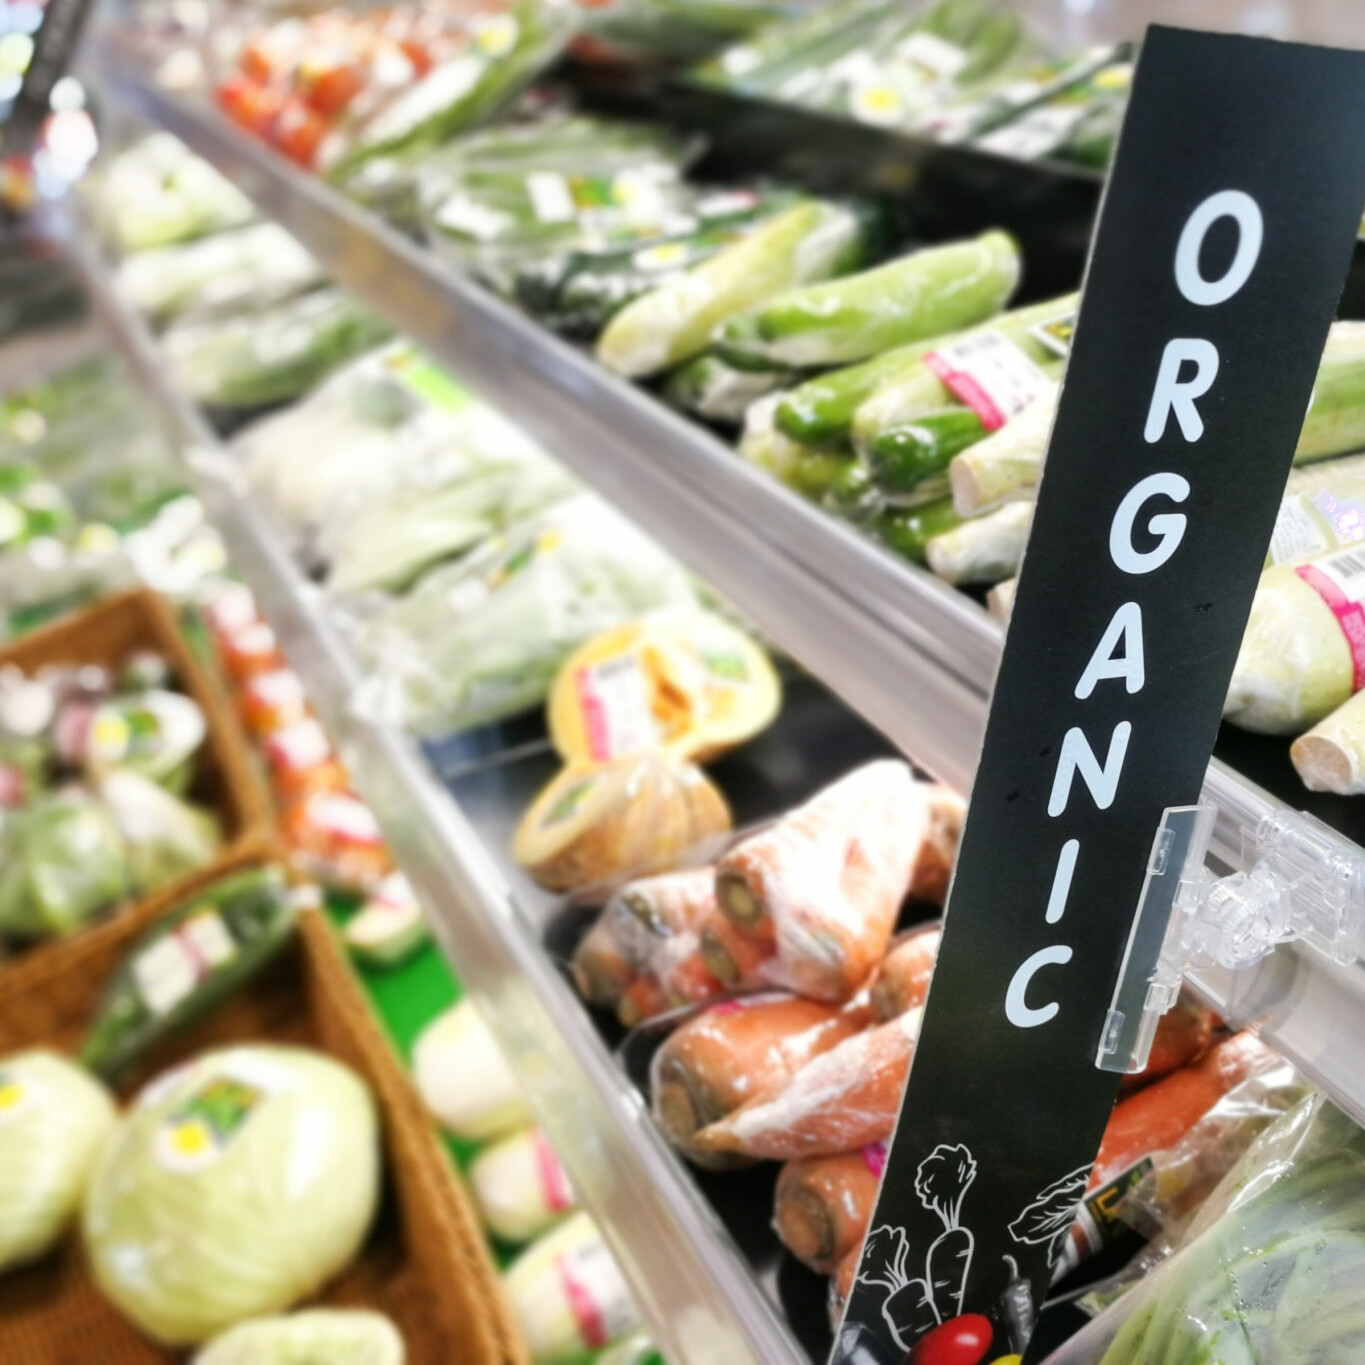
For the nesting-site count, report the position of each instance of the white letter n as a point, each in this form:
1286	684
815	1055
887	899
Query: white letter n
1078	757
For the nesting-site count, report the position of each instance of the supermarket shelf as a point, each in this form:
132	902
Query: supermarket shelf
914	658
689	1278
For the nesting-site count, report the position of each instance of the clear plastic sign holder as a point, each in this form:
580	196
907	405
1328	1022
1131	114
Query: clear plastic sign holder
1304	882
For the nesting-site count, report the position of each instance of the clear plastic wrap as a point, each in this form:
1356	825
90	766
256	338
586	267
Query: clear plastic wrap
846	1098
902	980
483	638
1271	1268
818	892
823	1204
738	1052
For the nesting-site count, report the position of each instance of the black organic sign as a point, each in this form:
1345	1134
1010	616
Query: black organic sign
1221	249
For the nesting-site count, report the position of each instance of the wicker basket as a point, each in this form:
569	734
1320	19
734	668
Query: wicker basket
425	1264
225	780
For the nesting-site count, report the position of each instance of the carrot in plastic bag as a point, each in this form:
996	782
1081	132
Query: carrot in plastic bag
823	1205
841	1283
736	955
902	981
736	1051
830	878
1163	1112
1183	1035
846	1098
934	868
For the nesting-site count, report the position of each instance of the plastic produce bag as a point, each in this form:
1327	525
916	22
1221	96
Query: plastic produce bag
483	638
273	354
337	1336
520	1186
165	836
464	1079
1271	1269
53	1118
236	1186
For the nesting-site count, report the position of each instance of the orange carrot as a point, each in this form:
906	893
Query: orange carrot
737	1051
823	1205
736	955
845	1098
841	1285
934	868
830	878
902	981
1183	1035
1163	1112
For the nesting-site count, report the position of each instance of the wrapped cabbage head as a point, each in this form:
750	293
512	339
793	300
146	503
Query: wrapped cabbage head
235	1188
53	1118
320	1336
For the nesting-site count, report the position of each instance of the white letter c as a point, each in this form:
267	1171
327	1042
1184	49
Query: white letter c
1020	1014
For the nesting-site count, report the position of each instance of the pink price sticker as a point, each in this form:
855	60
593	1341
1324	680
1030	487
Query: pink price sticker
554	1180
874	1155
990	374
1350	615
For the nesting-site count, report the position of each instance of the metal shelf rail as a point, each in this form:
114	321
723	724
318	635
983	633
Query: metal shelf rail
690	1280
915	658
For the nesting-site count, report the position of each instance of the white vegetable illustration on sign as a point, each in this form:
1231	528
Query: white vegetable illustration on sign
1049	1217
915	1306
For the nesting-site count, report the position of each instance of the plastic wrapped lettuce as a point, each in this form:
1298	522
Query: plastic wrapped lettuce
1272	1269
248	267
273	354
335	1336
62	863
483	638
237	1186
158	192
53	1117
463	1078
166	837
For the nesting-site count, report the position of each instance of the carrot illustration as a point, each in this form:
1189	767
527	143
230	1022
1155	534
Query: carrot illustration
823	1205
829	879
735	1052
942	1182
845	1098
1183	1035
902	981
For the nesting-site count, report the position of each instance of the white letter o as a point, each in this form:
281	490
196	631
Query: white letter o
1250	232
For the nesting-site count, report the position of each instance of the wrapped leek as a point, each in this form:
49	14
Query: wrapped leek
1331	756
935	290
985	549
809	242
1007	465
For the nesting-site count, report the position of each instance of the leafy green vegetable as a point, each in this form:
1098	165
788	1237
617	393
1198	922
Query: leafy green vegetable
53	1117
236	1186
166	837
320	1336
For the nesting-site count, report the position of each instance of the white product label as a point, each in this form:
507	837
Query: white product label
990	374
172	967
1055	335
299	747
936	56
1347	570
551	199
616	712
1298	533
1034	135
277	689
597	1294
345	817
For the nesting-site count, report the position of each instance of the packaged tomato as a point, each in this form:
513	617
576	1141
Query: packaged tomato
333	837
301	760
251	651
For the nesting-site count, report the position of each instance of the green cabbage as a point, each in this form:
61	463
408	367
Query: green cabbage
166	837
53	1117
236	1187
319	1337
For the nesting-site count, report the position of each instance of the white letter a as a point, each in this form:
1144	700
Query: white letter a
1126	626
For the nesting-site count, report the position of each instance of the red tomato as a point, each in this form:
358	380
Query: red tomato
330	91
297	131
959	1341
253	106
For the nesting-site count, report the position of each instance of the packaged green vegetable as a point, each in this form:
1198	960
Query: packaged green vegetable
236	1186
166	837
984	549
156	734
568	1296
1006	465
807	470
62	863
186	965
53	1118
927	293
464	1079
1331	756
717	391
390	927
327	1336
808	242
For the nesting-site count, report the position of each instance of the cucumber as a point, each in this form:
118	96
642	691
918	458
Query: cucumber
811	241
902	458
904	396
908	530
929	292
852	493
803	469
187	964
709	387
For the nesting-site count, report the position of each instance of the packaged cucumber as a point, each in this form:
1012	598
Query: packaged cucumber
187	964
907	531
982	550
717	391
927	293
807	470
806	243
